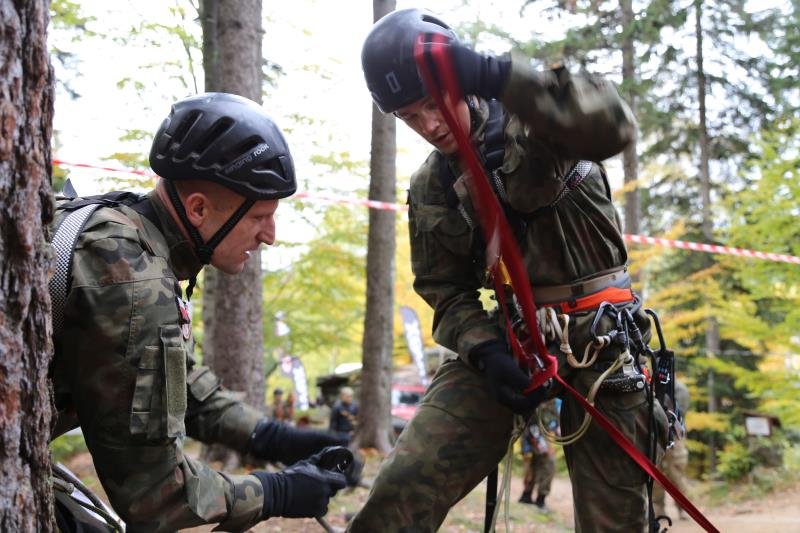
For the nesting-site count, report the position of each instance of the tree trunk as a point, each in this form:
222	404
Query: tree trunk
234	336
374	415
26	208
712	326
630	159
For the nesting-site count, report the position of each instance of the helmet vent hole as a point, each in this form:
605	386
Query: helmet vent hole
241	150
248	145
216	131
434	20
183	128
273	165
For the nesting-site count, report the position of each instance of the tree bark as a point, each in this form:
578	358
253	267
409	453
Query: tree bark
233	332
374	415
712	326
26	208
630	159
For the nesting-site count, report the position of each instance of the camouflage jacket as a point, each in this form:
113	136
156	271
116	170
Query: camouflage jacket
554	119
123	364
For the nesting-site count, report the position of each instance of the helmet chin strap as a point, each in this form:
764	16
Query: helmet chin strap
204	250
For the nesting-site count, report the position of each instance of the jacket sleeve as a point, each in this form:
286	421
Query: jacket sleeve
446	274
582	115
123	356
216	415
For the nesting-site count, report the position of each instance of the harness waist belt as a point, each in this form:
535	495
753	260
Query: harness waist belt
614	287
612	295
562	293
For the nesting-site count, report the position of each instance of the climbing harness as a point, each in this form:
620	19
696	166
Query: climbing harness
507	271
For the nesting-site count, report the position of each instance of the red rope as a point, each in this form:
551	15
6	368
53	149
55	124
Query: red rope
434	61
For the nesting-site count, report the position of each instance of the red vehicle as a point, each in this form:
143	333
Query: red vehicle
404	404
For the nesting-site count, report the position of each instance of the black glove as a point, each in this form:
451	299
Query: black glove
301	491
479	74
354	472
506	379
276	441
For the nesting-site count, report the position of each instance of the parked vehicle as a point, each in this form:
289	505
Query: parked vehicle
404	404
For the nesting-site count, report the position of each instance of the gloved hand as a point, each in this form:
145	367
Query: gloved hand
506	379
300	491
479	74
354	472
275	441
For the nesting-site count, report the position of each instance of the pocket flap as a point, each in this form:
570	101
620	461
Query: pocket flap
202	383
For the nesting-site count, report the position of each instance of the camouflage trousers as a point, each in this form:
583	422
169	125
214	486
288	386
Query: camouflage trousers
540	468
674	464
460	433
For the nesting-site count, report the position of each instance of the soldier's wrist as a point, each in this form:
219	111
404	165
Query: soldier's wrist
478	354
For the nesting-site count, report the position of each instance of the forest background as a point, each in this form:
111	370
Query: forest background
713	85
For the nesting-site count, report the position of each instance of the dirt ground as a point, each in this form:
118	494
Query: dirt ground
777	512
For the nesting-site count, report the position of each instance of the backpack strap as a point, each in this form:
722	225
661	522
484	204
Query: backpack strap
574	177
66	236
64	243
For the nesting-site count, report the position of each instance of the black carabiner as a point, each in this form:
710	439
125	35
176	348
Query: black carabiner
662	345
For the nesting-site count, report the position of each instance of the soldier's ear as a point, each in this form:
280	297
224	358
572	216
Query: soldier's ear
198	207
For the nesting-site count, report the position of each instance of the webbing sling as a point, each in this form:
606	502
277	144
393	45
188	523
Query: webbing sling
64	243
435	65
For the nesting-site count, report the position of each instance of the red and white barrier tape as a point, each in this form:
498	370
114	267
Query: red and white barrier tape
712	248
336	199
373	204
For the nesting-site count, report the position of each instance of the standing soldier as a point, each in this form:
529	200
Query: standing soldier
540	464
276	410
676	458
542	135
124	368
343	415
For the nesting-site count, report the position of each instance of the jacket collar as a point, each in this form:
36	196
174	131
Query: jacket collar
180	251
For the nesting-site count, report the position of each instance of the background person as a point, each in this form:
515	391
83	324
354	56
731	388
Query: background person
343	415
676	458
539	458
276	408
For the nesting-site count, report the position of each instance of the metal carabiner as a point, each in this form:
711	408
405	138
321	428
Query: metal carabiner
601	310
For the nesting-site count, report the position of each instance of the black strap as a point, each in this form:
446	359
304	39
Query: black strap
494	140
492	153
110	199
491	500
145	208
138	202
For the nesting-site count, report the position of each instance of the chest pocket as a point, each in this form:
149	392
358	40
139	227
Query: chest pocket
437	234
159	399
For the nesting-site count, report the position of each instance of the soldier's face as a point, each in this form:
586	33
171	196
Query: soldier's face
256	227
425	118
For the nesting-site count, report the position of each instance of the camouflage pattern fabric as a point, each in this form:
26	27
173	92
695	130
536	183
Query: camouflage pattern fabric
539	474
123	368
460	432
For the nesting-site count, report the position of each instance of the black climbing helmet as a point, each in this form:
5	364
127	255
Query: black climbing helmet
226	139
387	57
